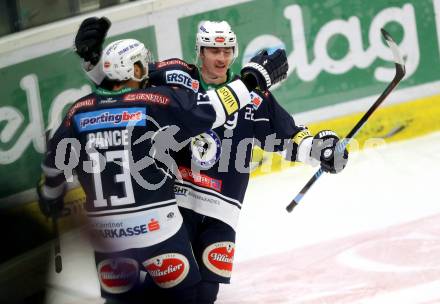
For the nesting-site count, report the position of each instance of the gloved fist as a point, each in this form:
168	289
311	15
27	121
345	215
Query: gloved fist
90	37
265	70
325	150
49	207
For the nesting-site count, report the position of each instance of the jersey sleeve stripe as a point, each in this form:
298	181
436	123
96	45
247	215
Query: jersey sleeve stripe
218	108
50	172
241	92
228	99
53	192
304	150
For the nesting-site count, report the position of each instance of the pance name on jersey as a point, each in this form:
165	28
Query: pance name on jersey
105	139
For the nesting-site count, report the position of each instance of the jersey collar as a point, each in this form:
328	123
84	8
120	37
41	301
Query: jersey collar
101	91
206	86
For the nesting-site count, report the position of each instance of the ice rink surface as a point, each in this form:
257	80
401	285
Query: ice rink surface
368	235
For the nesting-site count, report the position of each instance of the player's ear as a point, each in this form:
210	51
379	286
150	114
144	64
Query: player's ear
202	52
139	71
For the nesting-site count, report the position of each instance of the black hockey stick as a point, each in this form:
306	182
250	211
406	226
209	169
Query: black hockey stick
57	247
400	73
56	234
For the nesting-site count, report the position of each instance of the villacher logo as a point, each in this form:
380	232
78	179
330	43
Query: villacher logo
167	270
219	257
118	275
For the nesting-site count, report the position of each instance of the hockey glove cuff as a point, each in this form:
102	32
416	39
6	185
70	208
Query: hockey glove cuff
327	148
265	70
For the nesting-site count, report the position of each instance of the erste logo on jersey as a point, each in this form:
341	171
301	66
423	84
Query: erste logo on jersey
256	100
206	149
219	257
182	78
167	270
118	275
110	118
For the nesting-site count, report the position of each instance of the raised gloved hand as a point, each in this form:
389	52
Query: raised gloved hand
90	37
49	207
265	70
325	149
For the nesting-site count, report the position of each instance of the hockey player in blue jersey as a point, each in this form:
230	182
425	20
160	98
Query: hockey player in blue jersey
215	167
121	143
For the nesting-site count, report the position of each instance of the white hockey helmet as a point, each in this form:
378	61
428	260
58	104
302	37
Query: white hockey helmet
119	57
215	34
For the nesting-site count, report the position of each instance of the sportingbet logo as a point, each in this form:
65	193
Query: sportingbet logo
107	117
182	78
113	118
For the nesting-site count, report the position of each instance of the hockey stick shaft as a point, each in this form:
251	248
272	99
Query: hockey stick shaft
400	73
56	234
57	247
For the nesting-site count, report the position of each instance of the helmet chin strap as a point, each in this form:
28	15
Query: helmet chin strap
143	80
145	77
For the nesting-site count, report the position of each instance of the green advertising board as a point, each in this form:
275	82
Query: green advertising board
335	53
36	93
334	48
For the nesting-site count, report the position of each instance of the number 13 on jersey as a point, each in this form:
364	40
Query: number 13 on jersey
121	157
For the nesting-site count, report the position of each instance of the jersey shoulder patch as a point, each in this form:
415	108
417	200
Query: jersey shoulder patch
256	100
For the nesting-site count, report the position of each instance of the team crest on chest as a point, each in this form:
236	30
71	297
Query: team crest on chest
206	149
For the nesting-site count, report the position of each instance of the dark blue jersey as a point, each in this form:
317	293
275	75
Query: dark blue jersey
215	166
122	145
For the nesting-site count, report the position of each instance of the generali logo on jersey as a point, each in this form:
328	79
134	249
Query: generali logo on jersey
118	275
175	61
83	103
167	270
155	98
219	258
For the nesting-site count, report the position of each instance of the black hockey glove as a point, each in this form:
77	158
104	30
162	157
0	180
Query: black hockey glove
49	207
325	150
265	70
90	37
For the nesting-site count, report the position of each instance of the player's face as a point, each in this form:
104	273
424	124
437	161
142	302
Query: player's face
216	60
139	71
